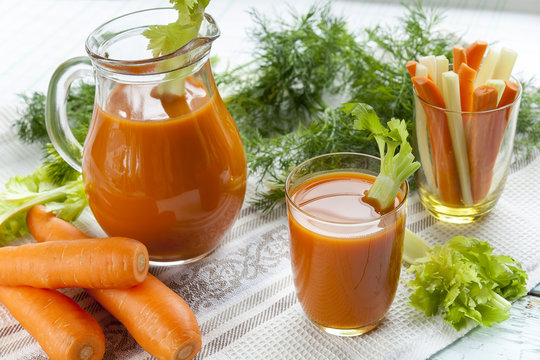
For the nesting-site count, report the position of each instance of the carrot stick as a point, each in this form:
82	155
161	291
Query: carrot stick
444	164
466	79
480	143
509	94
91	263
459	56
167	329
475	54
59	325
411	67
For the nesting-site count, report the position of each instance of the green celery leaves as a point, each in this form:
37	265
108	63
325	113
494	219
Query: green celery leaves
465	281
22	192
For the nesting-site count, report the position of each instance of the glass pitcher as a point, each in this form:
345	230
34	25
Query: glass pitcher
163	161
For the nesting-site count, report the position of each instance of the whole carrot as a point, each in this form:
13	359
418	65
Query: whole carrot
59	325
444	164
167	328
90	263
157	318
475	54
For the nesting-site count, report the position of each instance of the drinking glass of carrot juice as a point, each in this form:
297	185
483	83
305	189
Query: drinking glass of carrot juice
345	254
465	155
163	161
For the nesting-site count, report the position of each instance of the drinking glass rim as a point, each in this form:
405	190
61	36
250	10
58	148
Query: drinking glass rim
150	60
319	219
516	100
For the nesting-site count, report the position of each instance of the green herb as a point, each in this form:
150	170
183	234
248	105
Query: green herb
464	281
329	131
164	39
297	64
23	192
395	167
31	127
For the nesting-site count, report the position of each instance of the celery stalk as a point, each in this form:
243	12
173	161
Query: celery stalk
505	64
422	138
457	133
165	39
395	167
486	68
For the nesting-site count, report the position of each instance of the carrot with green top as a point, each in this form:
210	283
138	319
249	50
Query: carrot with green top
61	327
480	143
90	263
157	318
475	54
444	165
459	57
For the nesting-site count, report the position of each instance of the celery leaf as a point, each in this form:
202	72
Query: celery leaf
66	200
464	281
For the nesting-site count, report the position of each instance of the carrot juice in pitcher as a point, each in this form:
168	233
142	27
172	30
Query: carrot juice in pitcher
163	161
175	182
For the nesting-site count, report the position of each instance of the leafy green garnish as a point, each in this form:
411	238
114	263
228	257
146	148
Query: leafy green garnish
165	39
466	282
395	167
22	192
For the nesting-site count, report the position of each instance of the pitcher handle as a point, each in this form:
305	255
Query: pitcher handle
56	119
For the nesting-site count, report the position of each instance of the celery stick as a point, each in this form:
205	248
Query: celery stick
455	124
431	64
422	138
442	66
396	165
486	68
505	64
165	39
497	84
413	247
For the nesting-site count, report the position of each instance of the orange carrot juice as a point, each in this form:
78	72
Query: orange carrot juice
345	256
175	182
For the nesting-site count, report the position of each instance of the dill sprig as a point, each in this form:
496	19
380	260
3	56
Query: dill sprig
31	128
528	125
329	131
297	63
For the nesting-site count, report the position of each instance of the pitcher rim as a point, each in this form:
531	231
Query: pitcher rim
186	48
